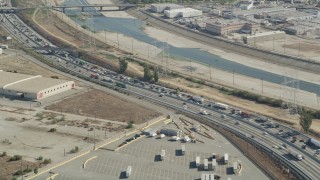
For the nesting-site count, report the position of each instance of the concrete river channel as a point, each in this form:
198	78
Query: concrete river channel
133	28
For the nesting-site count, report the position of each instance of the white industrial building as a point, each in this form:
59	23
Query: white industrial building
31	87
159	8
184	12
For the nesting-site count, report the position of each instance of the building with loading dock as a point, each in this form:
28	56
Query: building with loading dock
31	87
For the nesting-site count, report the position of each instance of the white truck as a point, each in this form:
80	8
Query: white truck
226	158
128	171
221	106
198	99
235	167
206	164
197	161
4	46
203	112
183	149
163	153
295	154
214	164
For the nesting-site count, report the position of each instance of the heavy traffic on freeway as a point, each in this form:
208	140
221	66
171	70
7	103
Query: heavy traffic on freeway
287	144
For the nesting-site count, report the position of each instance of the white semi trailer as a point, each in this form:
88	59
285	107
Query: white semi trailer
226	158
183	149
197	161
128	171
206	164
162	155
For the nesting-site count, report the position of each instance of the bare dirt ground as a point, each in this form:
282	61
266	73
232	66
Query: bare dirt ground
10	167
294	45
104	106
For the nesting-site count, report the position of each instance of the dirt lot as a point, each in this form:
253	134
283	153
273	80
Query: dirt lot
10	167
104	106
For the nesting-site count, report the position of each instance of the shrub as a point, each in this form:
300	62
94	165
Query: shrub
3	154
35	171
52	130
75	150
15	158
130	125
39	158
47	161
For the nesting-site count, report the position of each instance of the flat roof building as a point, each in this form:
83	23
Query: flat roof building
31	87
183	12
225	27
159	8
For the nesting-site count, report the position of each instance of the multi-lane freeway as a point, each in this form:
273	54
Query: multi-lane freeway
277	140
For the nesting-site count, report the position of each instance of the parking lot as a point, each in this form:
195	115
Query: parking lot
143	155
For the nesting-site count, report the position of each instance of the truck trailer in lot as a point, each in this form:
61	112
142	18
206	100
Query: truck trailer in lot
295	154
226	158
183	149
128	171
221	106
162	155
235	167
206	164
197	161
214	164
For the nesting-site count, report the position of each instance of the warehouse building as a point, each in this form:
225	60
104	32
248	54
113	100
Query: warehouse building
225	27
184	13
265	36
159	8
31	87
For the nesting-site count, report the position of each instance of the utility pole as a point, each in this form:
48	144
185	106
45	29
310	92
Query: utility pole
233	77
105	36
299	48
132	45
284	44
148	52
21	169
262	85
273	43
118	40
210	70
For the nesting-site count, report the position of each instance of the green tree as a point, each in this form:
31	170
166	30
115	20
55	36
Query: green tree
123	65
147	73
155	76
130	125
305	120
35	170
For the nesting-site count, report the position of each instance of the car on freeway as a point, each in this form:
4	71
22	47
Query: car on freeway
265	133
161	94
